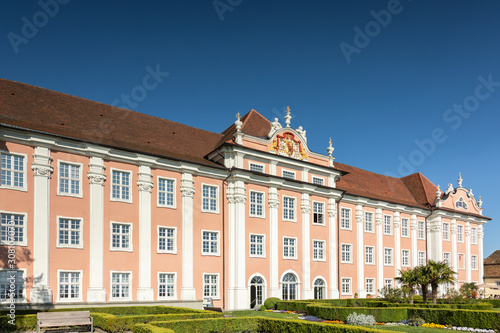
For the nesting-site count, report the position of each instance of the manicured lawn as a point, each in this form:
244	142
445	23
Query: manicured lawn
410	329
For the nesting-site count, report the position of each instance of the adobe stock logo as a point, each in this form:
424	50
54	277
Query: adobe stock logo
225	6
372	29
40	19
453	116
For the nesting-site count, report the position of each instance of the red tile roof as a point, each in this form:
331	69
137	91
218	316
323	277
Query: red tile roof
492	265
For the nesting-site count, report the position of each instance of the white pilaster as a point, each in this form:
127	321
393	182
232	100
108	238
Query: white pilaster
42	170
397	245
307	292
434	238
360	261
145	291
467	253
333	289
414	250
380	249
454	253
96	291
480	235
272	168
274	287
187	189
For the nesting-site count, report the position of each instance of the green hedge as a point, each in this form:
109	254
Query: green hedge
294	305
148	328
22	323
456	317
300	305
116	310
340	313
240	324
478	306
495	302
303	326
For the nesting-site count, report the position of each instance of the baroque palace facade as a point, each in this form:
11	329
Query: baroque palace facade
102	204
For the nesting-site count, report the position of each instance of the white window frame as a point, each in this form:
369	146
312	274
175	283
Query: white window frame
263	206
419	223
294	257
408	258
121	249
129	200
349	253
174	297
463	261
422	255
76	246
389	283
391	256
158	250
217	296
293	210
349	220
349	285
369	222
318	180
114	299
473	263
284	171
473	235
80	183
210	241
446	236
212	211
460	233
322	205
25	229
174	199
372	262
263	244
372	284
323	257
258	165
407	227
80	290
447	261
388	218
23	188
23	298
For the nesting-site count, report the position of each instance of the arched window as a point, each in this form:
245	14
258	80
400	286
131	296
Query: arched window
319	289
461	203
289	287
256	292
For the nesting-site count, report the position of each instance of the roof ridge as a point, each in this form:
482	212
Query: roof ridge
423	187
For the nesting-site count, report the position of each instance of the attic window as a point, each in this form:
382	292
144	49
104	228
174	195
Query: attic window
461	203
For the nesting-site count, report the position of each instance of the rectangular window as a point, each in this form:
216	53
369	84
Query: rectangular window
319	250
318	213
166	192
70	232
461	261
288	209
460	233
121	236
70	286
368	222
288	174
346	256
256	167
120	286
447	258
346	286
209	199
256	245
120	189
345	218
421	230
12	286
388	283
446	231
69	179
318	181
387	225
13	229
473	235
405	258
211	285
210	244
166	240
370	286
404	227
166	285
387	257
421	258
289	248
369	255
12	171
256	204
473	262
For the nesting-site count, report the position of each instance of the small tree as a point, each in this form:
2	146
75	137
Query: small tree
409	279
469	290
438	273
422	276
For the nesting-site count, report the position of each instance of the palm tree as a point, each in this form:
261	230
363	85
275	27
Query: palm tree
438	273
422	277
409	279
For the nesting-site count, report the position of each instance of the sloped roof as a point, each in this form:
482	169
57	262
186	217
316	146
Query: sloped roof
43	110
253	123
421	188
493	259
492	265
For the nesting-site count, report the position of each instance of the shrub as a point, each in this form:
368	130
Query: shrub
262	308
393	295
271	302
417	321
340	313
458	317
148	328
360	319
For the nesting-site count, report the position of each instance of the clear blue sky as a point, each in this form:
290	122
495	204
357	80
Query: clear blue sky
373	87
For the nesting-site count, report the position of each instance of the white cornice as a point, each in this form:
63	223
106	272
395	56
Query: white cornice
375	203
459	216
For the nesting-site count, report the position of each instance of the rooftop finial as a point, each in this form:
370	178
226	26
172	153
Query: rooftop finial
330	148
238	116
460	180
239	134
480	202
238	122
288	117
449	189
438	192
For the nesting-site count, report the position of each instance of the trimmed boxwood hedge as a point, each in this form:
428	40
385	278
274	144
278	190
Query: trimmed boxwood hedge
456	317
240	324
340	313
478	306
22	323
116	310
495	302
148	328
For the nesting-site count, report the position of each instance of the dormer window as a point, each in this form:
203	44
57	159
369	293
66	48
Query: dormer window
461	203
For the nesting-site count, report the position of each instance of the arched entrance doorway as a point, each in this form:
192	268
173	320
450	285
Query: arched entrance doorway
289	287
256	292
319	289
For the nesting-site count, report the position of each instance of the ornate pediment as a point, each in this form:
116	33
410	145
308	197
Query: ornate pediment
286	144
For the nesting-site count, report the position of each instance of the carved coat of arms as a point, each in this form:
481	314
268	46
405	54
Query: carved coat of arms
286	144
